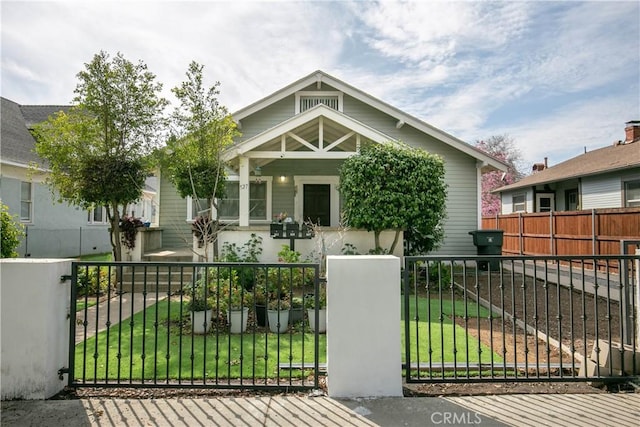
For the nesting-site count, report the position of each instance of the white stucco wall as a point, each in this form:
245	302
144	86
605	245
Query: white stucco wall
35	328
334	241
363	326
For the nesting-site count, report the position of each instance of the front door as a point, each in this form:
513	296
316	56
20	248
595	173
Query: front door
317	204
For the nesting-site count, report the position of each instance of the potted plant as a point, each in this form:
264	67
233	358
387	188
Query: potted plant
235	300
310	304
260	304
278	314
296	313
200	308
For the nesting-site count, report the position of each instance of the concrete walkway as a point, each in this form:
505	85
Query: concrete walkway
102	314
498	410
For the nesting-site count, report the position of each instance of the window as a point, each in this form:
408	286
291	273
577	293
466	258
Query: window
97	215
632	194
197	207
229	207
545	202
519	203
26	201
571	200
308	100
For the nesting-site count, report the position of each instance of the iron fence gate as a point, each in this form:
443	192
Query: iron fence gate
474	319
222	325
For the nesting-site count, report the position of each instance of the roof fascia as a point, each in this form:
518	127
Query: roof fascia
515	185
402	117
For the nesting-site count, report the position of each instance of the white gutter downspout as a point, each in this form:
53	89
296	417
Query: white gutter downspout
479	166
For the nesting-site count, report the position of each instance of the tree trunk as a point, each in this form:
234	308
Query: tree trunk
395	242
376	236
114	232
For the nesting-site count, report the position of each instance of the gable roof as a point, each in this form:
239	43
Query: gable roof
608	159
319	77
18	144
308	116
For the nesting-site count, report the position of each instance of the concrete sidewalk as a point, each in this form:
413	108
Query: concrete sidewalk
498	410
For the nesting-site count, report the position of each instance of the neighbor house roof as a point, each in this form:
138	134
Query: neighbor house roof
617	157
17	142
319	77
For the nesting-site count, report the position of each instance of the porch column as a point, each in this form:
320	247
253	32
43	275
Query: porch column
244	191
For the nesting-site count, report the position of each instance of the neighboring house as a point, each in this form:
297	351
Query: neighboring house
53	229
288	158
608	177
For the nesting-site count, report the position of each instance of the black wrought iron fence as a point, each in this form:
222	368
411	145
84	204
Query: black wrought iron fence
222	325
521	318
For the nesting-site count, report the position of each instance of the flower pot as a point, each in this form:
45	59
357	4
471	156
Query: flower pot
261	314
278	320
238	320
322	315
201	321
296	315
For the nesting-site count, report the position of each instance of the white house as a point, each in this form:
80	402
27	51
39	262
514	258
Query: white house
608	177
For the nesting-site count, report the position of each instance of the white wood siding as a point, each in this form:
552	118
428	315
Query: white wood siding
601	192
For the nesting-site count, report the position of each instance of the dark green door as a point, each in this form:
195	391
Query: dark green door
317	204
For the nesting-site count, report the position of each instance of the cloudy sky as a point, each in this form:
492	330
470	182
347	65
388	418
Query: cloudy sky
557	77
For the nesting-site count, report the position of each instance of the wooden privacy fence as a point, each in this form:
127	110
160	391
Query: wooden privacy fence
589	232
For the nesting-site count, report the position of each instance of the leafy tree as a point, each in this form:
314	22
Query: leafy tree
502	147
203	129
392	186
12	231
98	152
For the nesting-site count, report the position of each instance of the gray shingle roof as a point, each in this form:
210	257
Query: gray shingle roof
607	159
17	142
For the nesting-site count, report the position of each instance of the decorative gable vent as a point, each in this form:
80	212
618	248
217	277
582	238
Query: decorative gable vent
308	100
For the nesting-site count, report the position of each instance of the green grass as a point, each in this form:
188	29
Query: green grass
105	257
146	349
80	304
139	357
437	335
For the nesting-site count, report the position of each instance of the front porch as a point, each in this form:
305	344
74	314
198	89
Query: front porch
325	241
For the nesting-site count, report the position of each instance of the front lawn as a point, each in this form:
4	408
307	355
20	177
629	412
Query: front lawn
151	345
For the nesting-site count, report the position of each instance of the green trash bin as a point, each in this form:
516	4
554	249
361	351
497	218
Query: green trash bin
488	242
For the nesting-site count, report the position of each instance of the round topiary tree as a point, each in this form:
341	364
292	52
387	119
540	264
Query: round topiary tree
12	231
392	186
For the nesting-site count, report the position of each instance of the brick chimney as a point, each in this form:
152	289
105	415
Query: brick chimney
632	131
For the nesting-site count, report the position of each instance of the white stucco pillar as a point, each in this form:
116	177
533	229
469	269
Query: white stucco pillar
35	326
244	191
363	326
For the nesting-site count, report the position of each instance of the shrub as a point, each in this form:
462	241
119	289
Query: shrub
94	281
12	231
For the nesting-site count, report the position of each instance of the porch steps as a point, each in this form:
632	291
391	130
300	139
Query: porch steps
155	278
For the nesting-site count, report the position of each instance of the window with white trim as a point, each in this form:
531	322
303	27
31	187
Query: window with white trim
632	194
97	215
229	207
519	203
197	207
26	201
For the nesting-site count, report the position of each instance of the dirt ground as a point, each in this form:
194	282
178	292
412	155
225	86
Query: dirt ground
547	311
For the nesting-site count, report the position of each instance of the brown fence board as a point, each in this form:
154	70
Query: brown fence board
592	232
